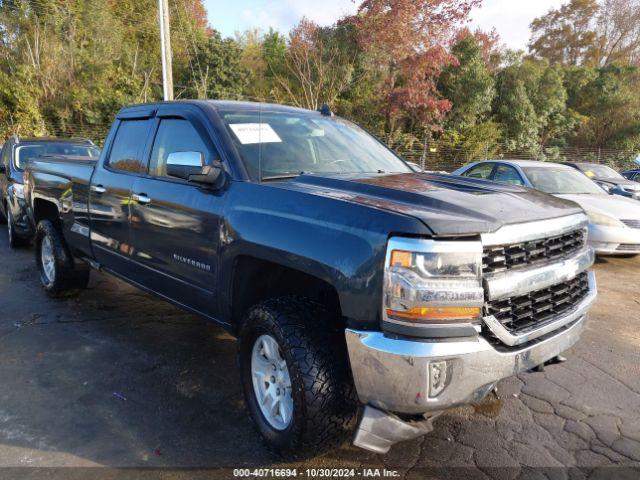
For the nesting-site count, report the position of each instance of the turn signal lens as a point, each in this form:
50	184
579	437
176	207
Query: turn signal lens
400	258
436	314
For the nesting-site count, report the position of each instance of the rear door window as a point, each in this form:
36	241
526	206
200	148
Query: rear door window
480	171
128	146
507	174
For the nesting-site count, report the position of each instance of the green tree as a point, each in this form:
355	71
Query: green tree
609	102
515	111
468	84
216	70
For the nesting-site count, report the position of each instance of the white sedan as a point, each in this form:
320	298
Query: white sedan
614	221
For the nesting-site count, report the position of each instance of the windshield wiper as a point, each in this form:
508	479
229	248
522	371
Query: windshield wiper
283	176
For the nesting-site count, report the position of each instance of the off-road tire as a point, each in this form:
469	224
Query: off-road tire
15	240
69	279
324	398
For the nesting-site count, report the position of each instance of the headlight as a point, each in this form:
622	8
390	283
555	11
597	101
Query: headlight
430	282
18	190
604	220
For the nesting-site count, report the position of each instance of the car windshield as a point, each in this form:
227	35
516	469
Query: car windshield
24	153
600	171
561	181
278	145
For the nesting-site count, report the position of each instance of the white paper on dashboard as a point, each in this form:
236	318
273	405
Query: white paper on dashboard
249	133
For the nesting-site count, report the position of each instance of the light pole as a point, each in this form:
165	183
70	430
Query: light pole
165	48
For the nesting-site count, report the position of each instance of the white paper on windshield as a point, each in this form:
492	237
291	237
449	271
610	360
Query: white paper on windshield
249	133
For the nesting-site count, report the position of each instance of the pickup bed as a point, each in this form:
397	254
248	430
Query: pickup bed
365	297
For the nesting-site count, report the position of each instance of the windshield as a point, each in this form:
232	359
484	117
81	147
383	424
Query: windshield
274	145
24	153
600	171
561	181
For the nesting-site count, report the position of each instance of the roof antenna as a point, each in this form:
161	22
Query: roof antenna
325	110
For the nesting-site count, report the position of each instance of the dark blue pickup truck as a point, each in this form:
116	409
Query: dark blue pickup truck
367	298
16	153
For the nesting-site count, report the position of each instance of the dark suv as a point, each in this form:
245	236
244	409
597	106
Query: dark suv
633	175
16	152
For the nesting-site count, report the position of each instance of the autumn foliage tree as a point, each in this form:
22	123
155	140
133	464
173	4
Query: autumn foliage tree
588	32
406	40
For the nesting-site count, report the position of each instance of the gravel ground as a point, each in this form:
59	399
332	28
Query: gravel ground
117	379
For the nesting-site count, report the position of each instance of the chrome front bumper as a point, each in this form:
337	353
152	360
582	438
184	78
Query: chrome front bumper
418	377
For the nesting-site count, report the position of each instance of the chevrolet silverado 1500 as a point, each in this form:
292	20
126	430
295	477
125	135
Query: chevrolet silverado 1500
366	298
15	155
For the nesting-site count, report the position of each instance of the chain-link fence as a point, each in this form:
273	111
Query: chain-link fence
441	156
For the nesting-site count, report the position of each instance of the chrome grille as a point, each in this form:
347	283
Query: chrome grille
631	223
523	312
506	257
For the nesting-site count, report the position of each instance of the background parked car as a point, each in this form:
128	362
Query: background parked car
608	178
16	152
614	221
633	175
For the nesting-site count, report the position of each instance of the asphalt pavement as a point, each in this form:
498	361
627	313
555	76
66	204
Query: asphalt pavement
115	378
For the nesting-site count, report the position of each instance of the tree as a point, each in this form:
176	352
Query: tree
252	60
609	102
619	32
315	69
71	64
406	41
468	84
274	51
216	69
566	35
585	32
515	111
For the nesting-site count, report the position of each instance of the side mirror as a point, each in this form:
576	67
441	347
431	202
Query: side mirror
212	175
184	164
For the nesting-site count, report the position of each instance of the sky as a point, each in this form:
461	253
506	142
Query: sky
511	18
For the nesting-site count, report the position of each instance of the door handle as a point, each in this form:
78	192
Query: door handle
141	198
99	189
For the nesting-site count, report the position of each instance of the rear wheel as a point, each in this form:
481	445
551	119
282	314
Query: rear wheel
58	274
15	240
296	377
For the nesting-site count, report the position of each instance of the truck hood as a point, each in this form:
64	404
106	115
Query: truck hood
612	205
448	205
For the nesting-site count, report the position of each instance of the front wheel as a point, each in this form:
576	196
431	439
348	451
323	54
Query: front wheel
296	378
58	274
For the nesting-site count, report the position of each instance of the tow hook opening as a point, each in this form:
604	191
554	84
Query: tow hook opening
554	361
378	430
